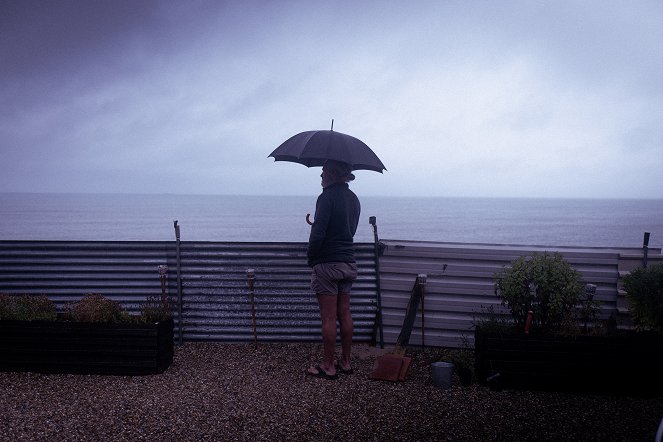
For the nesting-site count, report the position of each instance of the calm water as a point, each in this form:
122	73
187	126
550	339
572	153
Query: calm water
579	222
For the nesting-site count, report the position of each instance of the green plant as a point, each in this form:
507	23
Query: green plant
644	292
589	307
155	309
491	321
91	308
6	309
97	308
584	319
463	362
545	284
27	308
461	358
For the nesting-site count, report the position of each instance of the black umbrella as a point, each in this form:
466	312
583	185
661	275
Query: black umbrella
312	148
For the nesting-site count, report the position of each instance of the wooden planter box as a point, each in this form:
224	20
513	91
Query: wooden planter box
86	348
624	363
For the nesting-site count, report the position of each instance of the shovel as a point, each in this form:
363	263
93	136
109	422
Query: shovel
394	366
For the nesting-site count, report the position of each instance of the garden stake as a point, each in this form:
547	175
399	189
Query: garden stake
179	280
163	277
423	327
250	275
423	311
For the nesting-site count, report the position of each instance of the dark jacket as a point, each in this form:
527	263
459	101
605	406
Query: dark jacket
336	218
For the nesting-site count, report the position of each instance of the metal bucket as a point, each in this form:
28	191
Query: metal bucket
442	374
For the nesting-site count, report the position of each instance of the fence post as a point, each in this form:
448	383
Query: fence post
179	282
376	247
645	249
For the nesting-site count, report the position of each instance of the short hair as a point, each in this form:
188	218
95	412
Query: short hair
342	170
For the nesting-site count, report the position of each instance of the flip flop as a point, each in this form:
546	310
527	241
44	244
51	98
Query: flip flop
342	370
322	374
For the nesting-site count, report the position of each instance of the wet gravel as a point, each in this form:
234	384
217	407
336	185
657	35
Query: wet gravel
218	391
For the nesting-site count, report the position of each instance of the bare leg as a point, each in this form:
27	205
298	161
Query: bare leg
328	309
346	328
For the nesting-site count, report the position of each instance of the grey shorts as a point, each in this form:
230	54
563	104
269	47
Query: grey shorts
333	278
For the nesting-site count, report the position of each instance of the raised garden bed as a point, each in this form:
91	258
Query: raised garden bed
627	362
86	348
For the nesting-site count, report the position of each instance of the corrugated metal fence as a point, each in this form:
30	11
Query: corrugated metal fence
459	285
214	283
215	293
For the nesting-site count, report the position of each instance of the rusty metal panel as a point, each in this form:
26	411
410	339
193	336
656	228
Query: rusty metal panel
460	284
215	292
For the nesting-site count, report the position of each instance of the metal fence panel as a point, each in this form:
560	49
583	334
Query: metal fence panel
460	289
215	291
67	270
217	306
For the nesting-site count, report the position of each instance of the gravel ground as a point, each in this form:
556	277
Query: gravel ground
218	391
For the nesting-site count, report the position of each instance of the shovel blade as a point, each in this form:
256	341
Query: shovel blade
390	367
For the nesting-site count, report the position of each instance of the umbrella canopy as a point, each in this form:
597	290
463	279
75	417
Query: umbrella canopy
312	148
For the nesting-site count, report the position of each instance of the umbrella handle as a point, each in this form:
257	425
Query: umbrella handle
308	219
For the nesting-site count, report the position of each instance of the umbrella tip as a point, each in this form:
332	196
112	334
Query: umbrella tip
332	127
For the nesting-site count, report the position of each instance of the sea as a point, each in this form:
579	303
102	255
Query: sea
517	221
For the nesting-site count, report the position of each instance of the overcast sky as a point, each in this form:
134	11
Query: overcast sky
458	98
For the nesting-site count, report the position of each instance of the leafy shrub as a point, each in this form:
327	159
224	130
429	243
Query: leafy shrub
6	309
644	292
91	308
491	321
35	308
546	284
461	358
155	309
584	319
27	308
589	307
96	308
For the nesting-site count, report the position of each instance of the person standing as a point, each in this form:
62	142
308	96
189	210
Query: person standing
330	254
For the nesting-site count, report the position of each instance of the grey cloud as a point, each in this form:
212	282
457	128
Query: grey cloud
192	96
